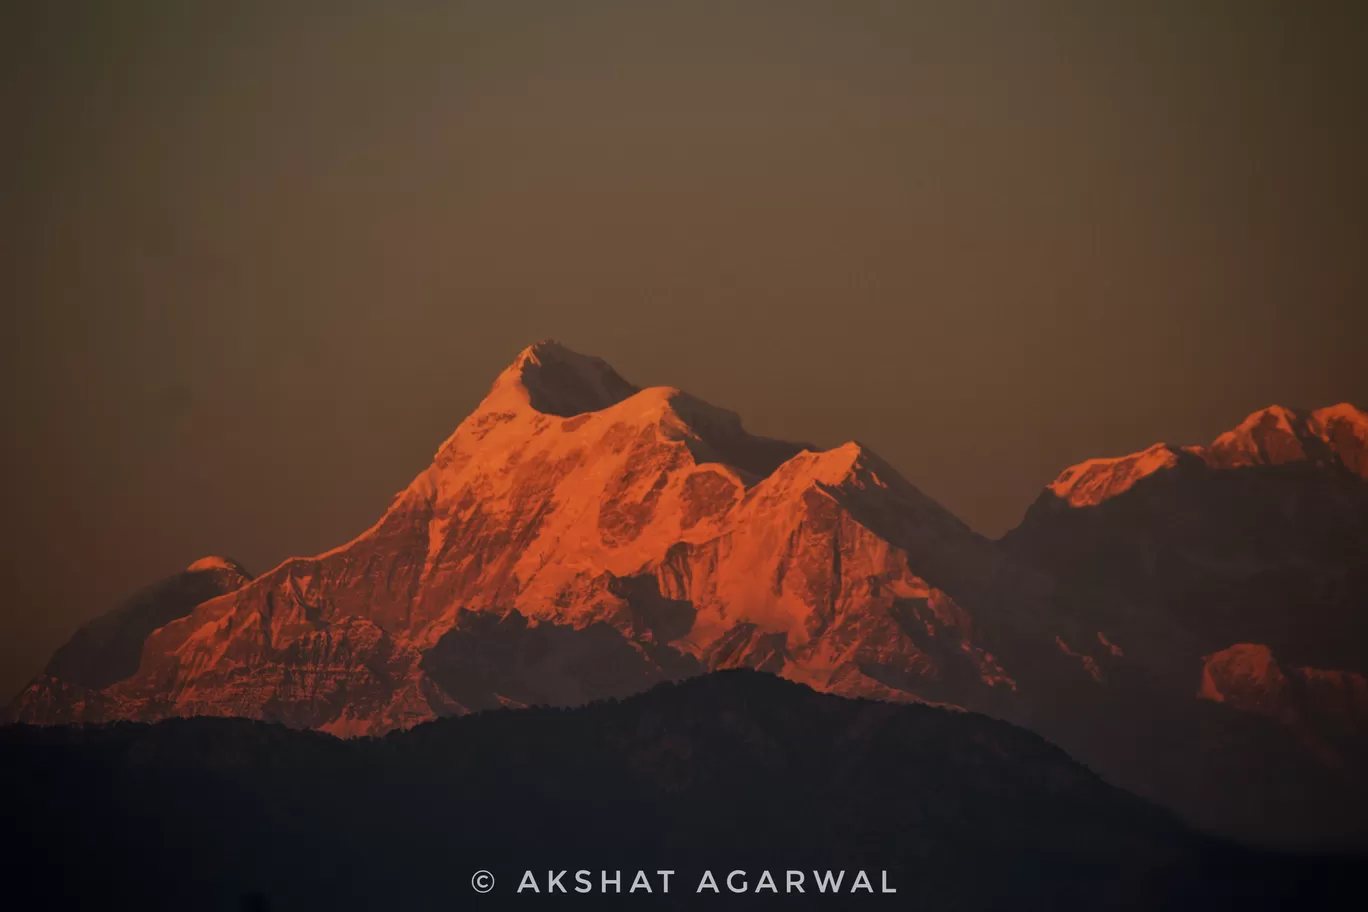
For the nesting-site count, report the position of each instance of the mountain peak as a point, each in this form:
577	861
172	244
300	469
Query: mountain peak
1274	435
552	379
1094	480
1344	411
218	562
1274	417
1345	428
1280	414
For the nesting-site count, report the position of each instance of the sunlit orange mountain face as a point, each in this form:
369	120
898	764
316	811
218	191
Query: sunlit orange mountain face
1187	621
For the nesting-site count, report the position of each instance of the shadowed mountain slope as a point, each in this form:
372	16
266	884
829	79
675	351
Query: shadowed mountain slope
731	771
1233	580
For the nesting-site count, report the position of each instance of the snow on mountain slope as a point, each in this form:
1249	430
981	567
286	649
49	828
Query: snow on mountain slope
1334	436
647	520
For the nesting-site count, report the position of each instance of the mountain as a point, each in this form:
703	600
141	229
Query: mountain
579	538
107	650
735	771
1236	576
575	538
1260	538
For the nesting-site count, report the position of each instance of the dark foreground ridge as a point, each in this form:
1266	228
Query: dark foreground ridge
729	771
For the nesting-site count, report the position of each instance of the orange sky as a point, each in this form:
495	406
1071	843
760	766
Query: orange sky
259	262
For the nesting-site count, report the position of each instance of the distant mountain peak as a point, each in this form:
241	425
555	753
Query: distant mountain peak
218	562
1276	435
1344	411
1345	428
1094	480
107	649
552	379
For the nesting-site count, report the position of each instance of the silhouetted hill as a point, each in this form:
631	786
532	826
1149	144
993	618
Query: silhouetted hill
734	770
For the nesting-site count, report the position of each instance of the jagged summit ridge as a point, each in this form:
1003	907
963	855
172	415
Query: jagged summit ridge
554	380
1277	435
1336	435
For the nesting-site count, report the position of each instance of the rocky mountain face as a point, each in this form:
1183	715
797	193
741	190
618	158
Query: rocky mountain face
578	537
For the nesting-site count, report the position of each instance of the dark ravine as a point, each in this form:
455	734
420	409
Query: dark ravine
734	770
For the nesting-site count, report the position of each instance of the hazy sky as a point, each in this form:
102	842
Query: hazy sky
260	259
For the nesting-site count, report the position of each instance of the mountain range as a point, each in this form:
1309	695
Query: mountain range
1188	621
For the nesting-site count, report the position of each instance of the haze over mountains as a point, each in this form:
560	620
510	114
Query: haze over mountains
1188	621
